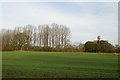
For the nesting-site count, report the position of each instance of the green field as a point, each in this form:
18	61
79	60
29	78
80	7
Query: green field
59	65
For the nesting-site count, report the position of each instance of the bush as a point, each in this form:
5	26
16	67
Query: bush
101	46
7	48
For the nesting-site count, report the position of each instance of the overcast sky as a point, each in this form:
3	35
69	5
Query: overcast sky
86	20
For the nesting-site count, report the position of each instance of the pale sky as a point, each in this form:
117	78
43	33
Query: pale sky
86	20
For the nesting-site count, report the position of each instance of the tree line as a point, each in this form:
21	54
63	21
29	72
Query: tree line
51	37
43	36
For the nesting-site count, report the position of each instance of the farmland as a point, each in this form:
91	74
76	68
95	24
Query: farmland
25	64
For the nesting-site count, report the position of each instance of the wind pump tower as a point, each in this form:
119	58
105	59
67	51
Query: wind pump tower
98	39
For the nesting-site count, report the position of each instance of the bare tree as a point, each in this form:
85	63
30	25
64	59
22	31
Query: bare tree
50	37
20	39
53	34
34	36
65	35
40	34
28	29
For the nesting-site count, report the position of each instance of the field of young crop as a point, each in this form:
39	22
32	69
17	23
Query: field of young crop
59	65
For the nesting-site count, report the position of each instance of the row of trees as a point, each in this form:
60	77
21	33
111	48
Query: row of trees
53	36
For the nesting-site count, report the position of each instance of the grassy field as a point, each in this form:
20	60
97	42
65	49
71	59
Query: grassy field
59	65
